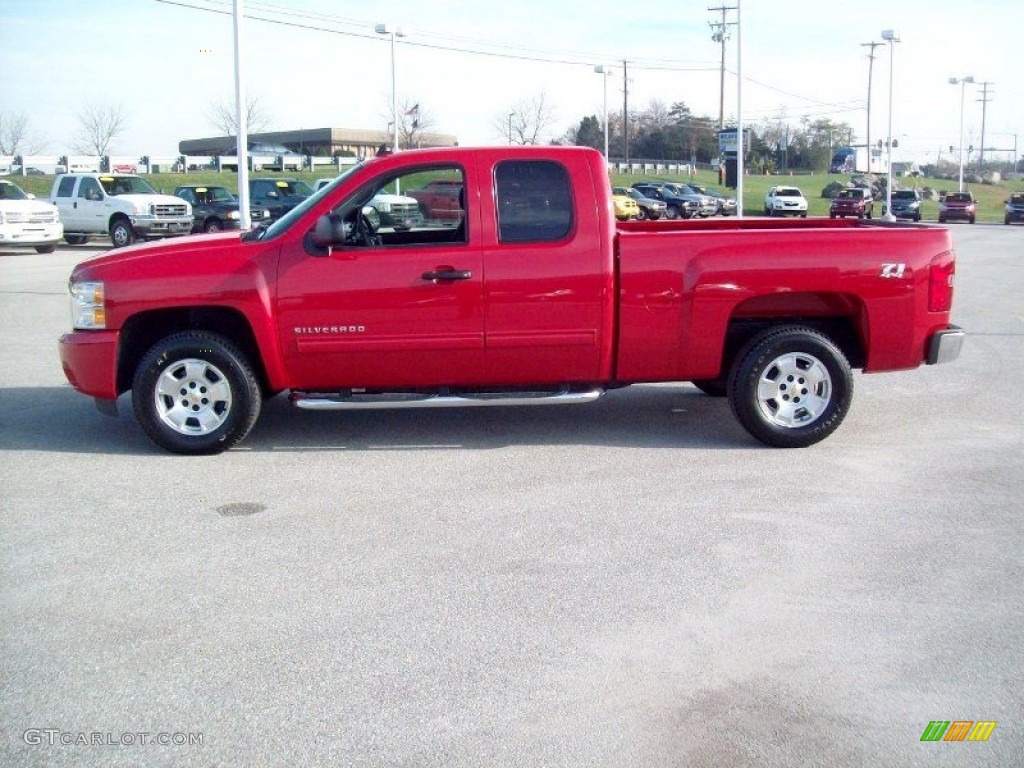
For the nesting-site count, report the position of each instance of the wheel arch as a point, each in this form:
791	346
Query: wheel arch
839	316
141	331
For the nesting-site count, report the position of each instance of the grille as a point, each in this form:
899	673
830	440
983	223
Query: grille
45	217
169	210
405	209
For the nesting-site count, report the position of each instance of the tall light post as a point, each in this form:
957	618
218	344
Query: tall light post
392	32
740	144
891	37
605	72
962	82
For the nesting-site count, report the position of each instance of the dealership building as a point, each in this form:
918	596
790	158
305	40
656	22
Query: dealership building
321	142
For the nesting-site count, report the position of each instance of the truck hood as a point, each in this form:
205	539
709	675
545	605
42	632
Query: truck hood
144	201
205	248
26	206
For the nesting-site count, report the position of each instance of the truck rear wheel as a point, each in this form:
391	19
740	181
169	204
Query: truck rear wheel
195	393
791	387
121	232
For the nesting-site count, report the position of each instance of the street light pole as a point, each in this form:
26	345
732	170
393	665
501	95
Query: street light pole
892	37
962	82
392	32
605	73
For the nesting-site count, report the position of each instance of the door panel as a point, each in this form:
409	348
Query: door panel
546	286
406	312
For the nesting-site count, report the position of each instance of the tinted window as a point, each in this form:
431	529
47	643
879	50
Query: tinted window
534	201
67	185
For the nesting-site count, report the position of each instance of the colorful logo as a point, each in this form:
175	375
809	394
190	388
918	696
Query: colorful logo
958	730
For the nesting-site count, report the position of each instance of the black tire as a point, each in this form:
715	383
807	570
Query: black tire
672	213
778	369
204	364
46	248
917	217
712	387
971	220
75	239
1006	220
641	214
942	219
213	225
121	232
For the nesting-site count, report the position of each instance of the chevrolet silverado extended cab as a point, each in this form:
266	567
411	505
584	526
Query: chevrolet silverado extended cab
122	206
536	295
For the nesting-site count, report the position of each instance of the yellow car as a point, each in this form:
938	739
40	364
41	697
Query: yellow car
625	207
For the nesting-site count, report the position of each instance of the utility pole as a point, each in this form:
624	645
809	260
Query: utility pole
985	99
720	33
871	66
625	111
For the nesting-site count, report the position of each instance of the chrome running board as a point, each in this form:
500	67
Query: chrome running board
333	401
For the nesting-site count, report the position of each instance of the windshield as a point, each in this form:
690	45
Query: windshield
285	222
1017	199
214	195
904	194
125	185
959	197
788	192
10	191
292	188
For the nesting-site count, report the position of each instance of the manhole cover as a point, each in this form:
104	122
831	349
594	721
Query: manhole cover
240	509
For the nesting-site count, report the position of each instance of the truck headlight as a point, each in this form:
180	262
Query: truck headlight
383	207
234	215
88	307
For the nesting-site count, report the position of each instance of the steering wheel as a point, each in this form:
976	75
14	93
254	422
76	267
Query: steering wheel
363	232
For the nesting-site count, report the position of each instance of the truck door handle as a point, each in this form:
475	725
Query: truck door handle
448	274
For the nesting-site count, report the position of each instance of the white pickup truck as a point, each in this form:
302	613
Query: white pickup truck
27	222
122	206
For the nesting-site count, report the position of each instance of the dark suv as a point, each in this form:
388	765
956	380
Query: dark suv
215	208
957	205
277	195
677	205
906	204
1014	208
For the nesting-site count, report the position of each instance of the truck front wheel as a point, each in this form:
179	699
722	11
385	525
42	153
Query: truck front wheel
791	387
121	232
195	393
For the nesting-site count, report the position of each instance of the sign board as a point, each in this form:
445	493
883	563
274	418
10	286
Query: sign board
727	140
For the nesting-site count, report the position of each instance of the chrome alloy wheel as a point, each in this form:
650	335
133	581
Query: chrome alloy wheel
794	390
192	397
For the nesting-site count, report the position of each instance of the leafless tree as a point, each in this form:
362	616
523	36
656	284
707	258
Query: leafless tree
527	121
16	136
224	116
98	126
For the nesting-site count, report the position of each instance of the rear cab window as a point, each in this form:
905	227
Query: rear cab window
534	201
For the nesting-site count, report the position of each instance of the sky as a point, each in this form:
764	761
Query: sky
318	63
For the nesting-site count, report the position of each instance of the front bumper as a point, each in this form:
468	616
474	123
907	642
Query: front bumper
150	226
89	359
944	346
30	234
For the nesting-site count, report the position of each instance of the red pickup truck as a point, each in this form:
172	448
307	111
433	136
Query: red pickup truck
535	295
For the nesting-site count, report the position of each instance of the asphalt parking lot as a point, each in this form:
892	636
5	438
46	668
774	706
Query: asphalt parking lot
629	583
